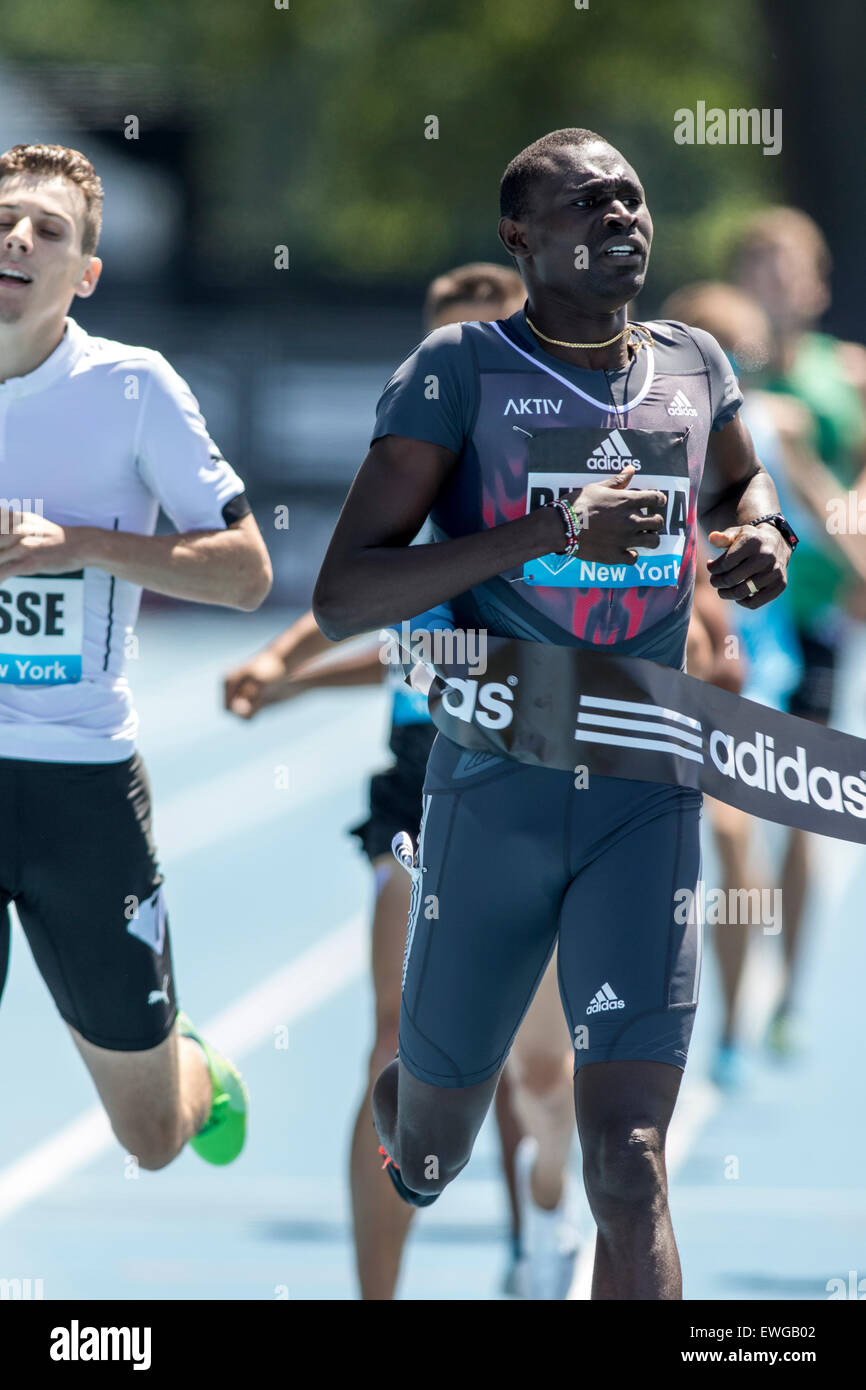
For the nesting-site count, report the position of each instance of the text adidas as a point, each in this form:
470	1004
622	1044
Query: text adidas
488	704
614	463
755	764
604	1000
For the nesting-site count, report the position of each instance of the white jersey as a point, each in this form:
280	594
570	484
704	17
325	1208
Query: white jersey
101	434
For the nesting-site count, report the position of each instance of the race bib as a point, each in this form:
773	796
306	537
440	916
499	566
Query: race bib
41	629
561	460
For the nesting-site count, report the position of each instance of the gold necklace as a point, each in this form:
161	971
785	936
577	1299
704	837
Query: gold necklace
557	342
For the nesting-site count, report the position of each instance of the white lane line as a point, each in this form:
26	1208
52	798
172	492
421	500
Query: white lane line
253	793
700	1102
805	1203
283	998
198	692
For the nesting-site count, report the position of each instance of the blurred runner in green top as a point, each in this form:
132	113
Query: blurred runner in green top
782	260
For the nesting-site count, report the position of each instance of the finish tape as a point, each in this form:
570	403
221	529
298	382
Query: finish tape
574	710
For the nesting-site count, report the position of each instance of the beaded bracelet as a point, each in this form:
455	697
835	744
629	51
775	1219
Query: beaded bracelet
573	524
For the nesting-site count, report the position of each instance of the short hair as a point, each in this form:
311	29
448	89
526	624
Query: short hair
479	282
776	226
533	163
61	162
735	320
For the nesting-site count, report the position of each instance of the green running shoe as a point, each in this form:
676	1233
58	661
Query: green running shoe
221	1138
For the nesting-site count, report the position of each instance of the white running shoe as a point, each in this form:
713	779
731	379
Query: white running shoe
550	1239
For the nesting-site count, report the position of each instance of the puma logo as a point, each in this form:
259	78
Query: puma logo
157	994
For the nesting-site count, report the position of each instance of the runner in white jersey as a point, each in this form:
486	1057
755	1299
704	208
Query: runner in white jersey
95	436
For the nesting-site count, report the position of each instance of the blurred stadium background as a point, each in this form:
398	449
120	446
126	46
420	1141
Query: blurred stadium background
259	128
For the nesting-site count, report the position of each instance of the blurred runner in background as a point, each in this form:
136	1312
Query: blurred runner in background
534	1103
774	669
781	260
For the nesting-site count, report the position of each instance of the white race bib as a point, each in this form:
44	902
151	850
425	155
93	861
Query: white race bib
41	629
661	463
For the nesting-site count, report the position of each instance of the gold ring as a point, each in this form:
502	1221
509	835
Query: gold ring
752	587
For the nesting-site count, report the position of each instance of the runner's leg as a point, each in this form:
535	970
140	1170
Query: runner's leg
543	1063
813	699
796	872
429	1131
489	880
381	1220
510	1132
629	966
90	900
623	1113
732	830
155	1100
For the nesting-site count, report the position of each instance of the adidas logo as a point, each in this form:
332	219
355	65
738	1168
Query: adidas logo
681	405
612	455
603	1000
474	762
673	733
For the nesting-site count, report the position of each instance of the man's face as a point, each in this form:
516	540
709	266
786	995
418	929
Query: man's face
42	266
589	198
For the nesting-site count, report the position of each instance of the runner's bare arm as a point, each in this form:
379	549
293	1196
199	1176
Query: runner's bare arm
371	576
265	680
229	566
362	667
260	678
736	488
299	643
307	656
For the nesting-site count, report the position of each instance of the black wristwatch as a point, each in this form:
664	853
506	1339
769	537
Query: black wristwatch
781	526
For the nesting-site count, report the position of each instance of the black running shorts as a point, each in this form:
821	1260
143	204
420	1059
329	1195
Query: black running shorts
78	861
395	794
513	858
813	698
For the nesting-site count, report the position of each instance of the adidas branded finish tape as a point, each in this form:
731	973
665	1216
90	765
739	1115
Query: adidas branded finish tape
568	708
